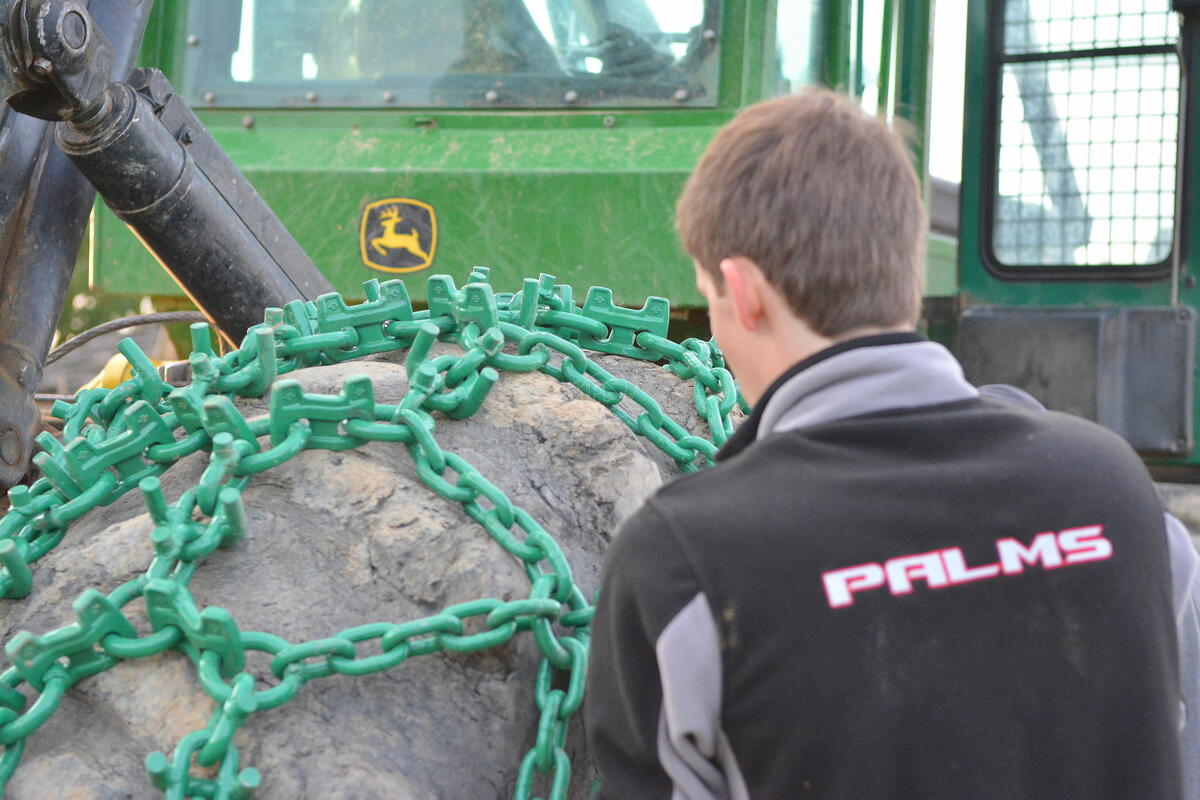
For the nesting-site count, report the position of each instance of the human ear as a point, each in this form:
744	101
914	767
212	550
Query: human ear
745	293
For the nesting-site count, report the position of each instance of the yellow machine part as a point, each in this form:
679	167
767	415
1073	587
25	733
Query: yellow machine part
118	370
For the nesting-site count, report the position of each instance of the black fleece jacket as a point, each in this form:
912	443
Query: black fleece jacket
961	600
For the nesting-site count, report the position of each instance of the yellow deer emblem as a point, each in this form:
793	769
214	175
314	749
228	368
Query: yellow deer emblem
391	240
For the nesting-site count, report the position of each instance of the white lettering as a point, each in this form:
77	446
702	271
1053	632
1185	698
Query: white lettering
1014	555
948	566
959	572
841	584
1085	544
927	566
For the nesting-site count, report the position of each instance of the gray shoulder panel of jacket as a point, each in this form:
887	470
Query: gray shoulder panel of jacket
866	381
1185	565
1189	679
692	748
1011	394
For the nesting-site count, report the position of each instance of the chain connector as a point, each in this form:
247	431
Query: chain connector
33	656
169	604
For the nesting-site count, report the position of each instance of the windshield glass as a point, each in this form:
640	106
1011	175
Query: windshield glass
452	53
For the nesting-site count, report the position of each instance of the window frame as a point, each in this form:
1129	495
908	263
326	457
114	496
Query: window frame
996	60
588	92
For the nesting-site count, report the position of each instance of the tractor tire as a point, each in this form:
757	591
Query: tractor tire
339	539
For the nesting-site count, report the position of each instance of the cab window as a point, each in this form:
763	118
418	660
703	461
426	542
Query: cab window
1087	111
453	53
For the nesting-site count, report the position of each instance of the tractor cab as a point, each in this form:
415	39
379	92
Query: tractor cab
1077	278
553	135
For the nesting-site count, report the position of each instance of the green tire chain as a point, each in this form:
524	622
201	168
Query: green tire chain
125	437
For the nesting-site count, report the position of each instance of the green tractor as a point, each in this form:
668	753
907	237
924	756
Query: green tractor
397	138
268	152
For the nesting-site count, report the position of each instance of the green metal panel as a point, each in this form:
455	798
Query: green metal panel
839	15
752	46
165	36
587	195
912	73
1189	220
554	193
941	266
971	272
888	36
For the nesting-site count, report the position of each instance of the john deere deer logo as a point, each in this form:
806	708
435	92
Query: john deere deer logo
398	235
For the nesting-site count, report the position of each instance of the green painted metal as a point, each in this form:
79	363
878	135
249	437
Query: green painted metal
735	50
859	83
1189	291
839	58
912	73
585	194
559	193
972	278
757	61
941	266
887	46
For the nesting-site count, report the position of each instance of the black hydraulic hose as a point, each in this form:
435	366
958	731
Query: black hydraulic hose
159	317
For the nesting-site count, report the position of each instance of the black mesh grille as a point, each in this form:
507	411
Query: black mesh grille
1067	25
1087	141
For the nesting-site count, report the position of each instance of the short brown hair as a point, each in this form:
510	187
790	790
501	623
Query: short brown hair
824	199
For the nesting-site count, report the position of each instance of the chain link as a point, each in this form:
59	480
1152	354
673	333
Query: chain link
126	437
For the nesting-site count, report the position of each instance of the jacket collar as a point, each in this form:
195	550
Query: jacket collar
859	376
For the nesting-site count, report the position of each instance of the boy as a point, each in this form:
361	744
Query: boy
889	586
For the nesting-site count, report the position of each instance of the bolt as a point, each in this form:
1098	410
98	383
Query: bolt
193	40
1184	316
41	68
1181	445
247	122
208	97
389	97
10	447
681	95
310	97
609	121
571	96
709	34
185	136
74	30
491	96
